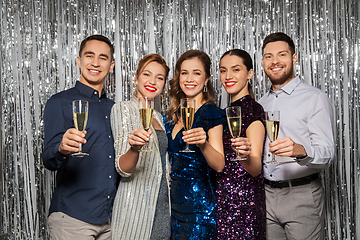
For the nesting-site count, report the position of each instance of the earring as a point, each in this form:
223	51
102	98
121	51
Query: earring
250	82
205	88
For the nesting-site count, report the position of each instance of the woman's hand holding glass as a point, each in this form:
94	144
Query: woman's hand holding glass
195	136
138	137
242	146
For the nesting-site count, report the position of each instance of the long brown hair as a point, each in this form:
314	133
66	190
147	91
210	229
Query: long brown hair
144	61
176	92
247	62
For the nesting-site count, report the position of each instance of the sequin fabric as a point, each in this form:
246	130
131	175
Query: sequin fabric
241	212
193	201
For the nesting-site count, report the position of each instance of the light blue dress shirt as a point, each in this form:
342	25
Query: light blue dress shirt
305	117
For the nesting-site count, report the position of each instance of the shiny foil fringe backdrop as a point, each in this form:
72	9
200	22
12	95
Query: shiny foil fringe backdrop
39	45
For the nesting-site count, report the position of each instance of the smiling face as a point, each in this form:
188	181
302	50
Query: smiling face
192	79
151	80
234	76
278	63
95	63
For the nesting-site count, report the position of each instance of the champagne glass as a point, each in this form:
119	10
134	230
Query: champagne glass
146	117
233	116
187	112
80	115
272	129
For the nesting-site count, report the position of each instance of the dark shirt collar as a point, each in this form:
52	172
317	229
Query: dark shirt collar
88	91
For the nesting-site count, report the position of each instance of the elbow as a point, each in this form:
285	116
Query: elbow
221	166
254	174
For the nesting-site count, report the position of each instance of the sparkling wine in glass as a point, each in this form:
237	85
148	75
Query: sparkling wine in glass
187	112
233	116
272	129
146	117
80	115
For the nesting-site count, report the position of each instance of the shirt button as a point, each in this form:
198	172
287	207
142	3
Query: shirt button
269	155
276	96
105	116
110	176
108	197
109	136
270	175
99	100
95	92
110	156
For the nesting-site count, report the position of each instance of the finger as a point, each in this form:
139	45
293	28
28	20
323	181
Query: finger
137	141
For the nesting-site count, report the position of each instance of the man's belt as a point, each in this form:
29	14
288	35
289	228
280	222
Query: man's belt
292	182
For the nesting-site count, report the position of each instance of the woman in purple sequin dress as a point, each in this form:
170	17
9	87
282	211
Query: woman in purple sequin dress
241	212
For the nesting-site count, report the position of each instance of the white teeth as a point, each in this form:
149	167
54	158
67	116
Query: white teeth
276	69
230	84
151	88
94	71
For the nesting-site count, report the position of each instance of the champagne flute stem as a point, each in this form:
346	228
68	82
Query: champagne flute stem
80	147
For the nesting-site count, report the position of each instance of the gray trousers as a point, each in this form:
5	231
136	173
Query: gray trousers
64	227
295	212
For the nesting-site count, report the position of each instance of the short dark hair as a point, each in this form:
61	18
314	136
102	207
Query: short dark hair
98	38
279	36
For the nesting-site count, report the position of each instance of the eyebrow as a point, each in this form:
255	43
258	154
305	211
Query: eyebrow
233	66
282	51
194	70
145	70
92	53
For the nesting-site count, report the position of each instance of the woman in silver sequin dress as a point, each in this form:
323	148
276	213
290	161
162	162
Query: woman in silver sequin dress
142	207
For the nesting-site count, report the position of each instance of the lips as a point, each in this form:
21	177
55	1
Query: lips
94	71
276	69
190	86
230	83
150	88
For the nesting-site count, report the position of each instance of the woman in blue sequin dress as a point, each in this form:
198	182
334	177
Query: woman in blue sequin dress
241	210
193	201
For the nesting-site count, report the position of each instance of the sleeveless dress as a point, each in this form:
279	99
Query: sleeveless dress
241	212
193	201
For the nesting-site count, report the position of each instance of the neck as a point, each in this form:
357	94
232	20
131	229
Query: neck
240	94
277	86
199	101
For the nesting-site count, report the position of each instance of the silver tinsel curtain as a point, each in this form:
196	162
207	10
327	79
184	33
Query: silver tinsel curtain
39	44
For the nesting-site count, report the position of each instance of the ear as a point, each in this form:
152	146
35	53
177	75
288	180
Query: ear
112	64
78	61
294	58
250	74
206	81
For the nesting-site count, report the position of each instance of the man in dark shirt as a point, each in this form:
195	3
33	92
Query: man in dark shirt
85	189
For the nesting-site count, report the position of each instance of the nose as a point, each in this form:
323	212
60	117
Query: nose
152	80
95	62
275	59
228	75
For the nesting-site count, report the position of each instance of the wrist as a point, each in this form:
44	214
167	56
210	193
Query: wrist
301	152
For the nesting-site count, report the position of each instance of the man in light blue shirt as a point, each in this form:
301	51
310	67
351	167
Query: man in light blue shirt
305	145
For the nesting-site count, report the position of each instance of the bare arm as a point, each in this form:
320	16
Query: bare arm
212	148
251	147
